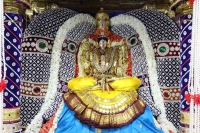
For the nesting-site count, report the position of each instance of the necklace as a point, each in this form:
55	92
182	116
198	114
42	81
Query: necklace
103	60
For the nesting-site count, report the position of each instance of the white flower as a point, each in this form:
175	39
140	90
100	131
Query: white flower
150	57
55	65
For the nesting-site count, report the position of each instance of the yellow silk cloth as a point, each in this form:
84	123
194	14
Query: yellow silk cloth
120	85
105	109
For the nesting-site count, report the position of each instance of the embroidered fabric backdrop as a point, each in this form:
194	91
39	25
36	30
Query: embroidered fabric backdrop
164	34
185	48
11	101
36	52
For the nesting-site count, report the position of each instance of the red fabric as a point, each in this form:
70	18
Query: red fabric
2	85
191	2
107	33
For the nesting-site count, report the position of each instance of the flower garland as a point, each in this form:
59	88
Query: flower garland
195	97
153	77
194	76
191	2
2	60
55	65
51	125
55	121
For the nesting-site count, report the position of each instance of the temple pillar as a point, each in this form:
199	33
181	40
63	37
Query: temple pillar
12	43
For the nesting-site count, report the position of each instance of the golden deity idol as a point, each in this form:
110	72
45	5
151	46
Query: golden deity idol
104	95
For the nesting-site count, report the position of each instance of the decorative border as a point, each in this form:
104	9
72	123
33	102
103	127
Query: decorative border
185	118
12	128
30	44
11	115
55	65
153	77
172	48
27	88
170	94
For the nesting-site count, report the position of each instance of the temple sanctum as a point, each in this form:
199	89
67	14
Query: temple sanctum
100	66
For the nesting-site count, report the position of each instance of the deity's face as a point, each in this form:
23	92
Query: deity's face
102	44
103	21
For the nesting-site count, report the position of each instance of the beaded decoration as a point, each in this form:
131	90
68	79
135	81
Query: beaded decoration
2	65
194	77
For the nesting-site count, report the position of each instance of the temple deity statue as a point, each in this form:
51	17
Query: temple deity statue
104	96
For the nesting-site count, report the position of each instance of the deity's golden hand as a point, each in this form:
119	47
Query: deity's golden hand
103	81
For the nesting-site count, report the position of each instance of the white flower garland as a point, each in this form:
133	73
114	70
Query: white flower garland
55	121
2	60
194	75
36	124
153	77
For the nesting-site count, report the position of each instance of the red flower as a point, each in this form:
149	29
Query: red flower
197	99
191	2
187	97
2	85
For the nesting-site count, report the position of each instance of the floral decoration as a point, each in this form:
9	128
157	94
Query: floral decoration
150	57
187	97
196	98
191	2
36	124
2	85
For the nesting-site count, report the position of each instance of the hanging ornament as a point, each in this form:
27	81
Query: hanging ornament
187	97
2	85
191	2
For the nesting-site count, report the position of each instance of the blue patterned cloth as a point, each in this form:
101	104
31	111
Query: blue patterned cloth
12	39
185	48
13	36
68	123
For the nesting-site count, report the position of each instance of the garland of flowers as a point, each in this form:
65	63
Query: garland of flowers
1	93
55	121
191	2
150	57
51	125
2	60
55	65
194	76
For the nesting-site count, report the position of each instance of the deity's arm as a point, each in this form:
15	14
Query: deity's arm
121	59
84	58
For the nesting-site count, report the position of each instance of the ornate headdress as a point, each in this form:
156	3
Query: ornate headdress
103	33
103	19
